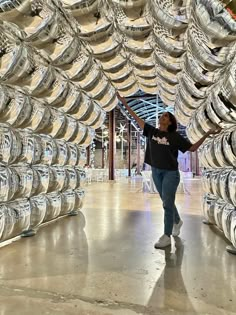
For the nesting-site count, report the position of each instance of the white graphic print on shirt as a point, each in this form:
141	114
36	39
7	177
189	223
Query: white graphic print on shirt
163	140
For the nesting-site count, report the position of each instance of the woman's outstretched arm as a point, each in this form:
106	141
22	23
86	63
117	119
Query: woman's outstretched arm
196	145
140	121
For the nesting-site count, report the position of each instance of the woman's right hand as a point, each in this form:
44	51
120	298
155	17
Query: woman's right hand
132	113
120	97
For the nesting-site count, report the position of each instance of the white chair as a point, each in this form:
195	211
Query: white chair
106	174
118	173
182	187
133	172
88	173
146	185
99	175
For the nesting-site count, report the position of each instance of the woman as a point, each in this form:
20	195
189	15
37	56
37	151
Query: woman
162	154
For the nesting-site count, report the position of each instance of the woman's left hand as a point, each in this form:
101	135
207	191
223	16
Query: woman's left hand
214	131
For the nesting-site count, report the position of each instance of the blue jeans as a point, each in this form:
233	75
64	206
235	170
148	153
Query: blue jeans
166	183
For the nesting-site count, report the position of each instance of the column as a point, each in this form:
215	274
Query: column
138	153
197	165
103	156
129	147
88	155
191	161
112	145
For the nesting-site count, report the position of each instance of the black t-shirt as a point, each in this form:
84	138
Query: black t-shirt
162	148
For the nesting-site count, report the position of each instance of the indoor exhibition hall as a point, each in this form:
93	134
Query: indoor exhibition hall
118	157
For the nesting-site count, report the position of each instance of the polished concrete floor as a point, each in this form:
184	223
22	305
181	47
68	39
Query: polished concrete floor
103	262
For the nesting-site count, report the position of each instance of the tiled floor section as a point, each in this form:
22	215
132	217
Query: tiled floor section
103	262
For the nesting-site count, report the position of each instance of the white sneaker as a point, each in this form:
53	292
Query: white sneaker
176	228
164	241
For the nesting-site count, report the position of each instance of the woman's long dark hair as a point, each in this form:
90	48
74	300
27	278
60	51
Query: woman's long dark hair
173	126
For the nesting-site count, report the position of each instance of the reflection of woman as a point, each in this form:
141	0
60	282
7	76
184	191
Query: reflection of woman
169	291
161	154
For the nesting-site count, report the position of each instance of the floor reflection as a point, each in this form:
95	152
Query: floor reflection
111	257
58	249
170	294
